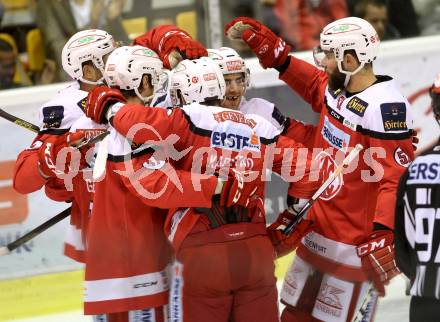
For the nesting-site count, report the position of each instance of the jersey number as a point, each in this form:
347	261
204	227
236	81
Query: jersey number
425	223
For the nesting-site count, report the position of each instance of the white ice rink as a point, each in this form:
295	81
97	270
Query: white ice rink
393	308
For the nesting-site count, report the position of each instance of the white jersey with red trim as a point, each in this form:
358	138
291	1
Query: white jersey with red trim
380	119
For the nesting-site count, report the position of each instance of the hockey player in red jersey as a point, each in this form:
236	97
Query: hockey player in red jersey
351	241
226	268
128	253
83	59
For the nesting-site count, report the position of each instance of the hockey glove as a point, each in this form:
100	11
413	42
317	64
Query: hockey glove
235	191
283	243
378	262
100	99
172	44
270	49
51	147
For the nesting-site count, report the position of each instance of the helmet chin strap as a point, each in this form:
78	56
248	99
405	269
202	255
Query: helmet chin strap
347	73
86	81
144	99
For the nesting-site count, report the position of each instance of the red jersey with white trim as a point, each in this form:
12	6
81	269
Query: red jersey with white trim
83	188
217	138
380	119
127	251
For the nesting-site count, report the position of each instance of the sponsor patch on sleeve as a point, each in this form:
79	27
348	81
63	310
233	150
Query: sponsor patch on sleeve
53	116
394	116
357	106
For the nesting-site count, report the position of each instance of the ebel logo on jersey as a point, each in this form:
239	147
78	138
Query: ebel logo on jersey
334	136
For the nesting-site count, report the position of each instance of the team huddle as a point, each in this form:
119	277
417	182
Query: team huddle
167	211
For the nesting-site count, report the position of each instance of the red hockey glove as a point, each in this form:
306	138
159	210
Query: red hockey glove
48	152
172	44
99	101
236	191
284	244
378	260
270	49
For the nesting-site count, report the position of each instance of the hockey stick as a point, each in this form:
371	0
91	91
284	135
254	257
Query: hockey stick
323	187
19	121
36	129
34	232
360	313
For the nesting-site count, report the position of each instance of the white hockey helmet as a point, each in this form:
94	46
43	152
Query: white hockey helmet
196	81
86	45
230	62
126	65
350	33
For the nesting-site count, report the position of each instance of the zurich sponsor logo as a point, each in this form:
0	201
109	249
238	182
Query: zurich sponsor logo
334	136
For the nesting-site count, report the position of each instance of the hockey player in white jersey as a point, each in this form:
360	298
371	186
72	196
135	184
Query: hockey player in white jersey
83	59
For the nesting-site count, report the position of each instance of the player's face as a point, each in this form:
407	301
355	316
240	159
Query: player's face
335	77
235	88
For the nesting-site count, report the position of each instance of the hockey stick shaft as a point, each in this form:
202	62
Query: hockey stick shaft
350	157
19	121
360	313
34	232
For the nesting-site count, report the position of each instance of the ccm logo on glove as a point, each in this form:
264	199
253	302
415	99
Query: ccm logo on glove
370	247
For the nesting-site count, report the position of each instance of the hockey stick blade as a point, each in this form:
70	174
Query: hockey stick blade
350	157
34	232
19	121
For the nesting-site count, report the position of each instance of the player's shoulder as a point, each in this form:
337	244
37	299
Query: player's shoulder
387	111
213	118
59	113
265	109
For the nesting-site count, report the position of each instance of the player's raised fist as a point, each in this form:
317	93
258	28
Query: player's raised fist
270	49
99	100
172	44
